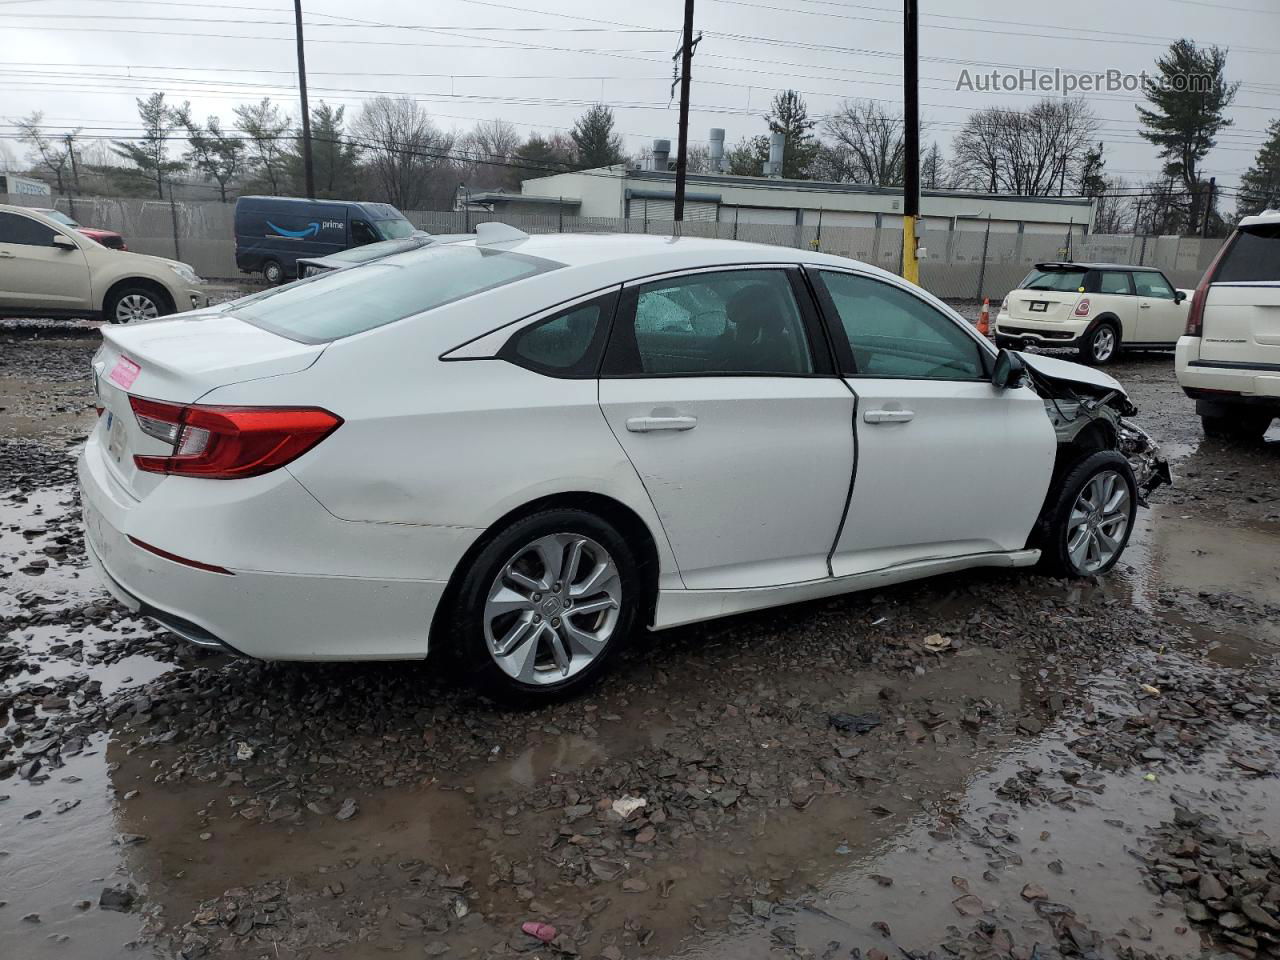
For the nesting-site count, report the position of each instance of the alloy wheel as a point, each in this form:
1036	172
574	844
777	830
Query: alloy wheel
552	608
136	306
1104	344
1098	522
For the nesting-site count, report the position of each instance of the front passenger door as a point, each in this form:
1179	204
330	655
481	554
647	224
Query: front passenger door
719	387
948	465
36	275
1161	319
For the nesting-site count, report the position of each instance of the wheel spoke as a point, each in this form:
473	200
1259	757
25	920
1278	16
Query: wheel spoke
1078	546
574	560
558	651
1118	505
505	601
604	572
516	577
524	662
519	632
582	641
550	551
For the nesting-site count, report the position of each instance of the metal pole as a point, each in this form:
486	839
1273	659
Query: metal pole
309	172
1208	207
982	268
682	141
911	138
817	243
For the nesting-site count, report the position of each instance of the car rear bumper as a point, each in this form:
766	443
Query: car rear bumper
1221	381
258	613
1011	332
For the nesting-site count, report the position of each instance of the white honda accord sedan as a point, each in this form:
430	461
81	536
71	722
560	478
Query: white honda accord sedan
521	450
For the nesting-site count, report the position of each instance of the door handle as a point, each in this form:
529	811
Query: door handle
889	416
6	255
1144	306
650	424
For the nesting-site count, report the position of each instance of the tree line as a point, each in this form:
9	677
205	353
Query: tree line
393	150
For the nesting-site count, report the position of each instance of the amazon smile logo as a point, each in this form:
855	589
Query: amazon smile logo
311	230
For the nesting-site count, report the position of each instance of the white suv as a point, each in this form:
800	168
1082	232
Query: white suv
1098	308
48	269
1229	359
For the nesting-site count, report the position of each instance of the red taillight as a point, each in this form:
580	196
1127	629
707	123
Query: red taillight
1082	308
208	567
1195	314
227	443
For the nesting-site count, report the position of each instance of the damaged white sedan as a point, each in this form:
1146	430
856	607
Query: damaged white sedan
520	451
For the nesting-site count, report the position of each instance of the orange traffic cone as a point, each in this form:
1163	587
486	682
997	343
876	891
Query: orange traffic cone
984	318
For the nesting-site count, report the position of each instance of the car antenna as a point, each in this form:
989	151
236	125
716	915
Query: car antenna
494	232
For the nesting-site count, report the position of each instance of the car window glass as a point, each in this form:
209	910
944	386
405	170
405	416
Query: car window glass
1114	282
1062	281
340	303
561	345
727	322
1254	256
893	333
362	233
15	228
1152	285
394	229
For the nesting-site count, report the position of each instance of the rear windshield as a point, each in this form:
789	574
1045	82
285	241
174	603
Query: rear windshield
346	302
1064	281
394	229
1254	256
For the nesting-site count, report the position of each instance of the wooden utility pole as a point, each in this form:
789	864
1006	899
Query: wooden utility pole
1208	207
75	171
682	140
911	140
309	173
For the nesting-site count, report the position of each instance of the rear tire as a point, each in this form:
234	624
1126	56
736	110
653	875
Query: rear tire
273	273
518	623
1101	345
1092	518
1241	425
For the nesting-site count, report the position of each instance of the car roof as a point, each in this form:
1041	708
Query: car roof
1266	217
1076	265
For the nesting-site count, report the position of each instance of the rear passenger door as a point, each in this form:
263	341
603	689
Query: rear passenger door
719	386
948	465
1116	298
1161	318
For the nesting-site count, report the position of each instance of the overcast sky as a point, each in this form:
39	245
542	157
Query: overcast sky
82	62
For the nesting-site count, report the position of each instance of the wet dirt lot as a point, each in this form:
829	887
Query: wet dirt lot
1087	769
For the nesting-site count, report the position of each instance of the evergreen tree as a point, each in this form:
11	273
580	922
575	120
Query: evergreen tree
267	129
789	116
598	145
333	157
211	151
1260	186
150	153
748	155
1188	101
554	153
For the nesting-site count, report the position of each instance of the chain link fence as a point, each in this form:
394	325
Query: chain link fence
968	262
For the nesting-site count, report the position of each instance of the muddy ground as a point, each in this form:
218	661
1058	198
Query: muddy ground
1087	769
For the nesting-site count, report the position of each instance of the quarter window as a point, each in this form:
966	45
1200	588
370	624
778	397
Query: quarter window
565	345
362	233
17	229
724	322
1111	281
1153	285
894	334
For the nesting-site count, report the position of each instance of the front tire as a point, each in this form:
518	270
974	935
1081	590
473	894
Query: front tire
1101	345
1241	425
273	273
135	304
546	604
1090	523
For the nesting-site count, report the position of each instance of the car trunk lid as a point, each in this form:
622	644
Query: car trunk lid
1042	304
178	361
1241	313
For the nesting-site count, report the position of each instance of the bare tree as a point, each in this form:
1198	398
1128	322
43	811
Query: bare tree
1113	208
52	152
867	144
933	169
1029	153
489	152
267	128
407	156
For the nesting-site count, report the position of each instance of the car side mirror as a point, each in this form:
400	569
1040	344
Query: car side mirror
1010	371
63	243
1179	296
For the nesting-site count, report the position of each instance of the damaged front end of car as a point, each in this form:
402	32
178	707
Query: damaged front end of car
1089	411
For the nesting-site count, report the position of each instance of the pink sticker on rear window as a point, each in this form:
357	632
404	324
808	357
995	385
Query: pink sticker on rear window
124	373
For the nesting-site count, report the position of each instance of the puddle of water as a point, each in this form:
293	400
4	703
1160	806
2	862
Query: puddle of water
50	863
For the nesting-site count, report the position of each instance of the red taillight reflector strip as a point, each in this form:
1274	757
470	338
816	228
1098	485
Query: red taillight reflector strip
1195	313
227	443
208	567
